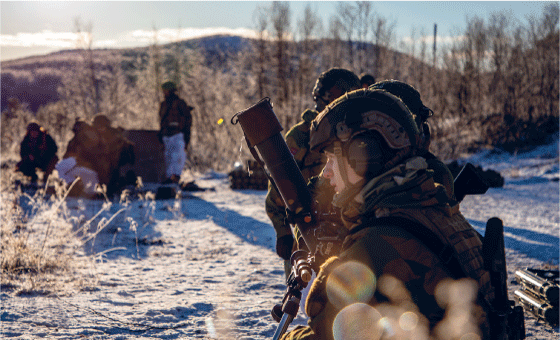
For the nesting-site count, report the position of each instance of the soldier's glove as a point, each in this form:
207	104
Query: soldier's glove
284	246
317	297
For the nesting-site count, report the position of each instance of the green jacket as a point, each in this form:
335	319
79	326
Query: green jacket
386	280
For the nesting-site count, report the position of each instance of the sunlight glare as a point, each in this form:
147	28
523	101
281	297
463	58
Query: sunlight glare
408	321
358	321
349	283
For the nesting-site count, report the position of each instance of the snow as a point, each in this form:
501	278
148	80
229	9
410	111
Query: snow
204	266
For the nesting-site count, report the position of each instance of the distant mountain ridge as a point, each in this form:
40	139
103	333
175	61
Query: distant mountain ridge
35	80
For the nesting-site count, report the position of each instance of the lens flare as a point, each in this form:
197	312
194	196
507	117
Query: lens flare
385	324
349	283
408	321
470	336
358	321
220	121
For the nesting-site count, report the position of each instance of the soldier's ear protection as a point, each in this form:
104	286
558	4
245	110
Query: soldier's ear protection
366	154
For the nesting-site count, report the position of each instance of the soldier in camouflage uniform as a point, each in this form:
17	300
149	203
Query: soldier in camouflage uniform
411	98
329	86
383	284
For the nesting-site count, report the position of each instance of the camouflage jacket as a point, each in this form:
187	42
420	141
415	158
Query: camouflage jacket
310	164
175	116
385	272
42	149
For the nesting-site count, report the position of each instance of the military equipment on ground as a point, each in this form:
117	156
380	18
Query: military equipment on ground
469	182
148	151
537	307
539	293
250	177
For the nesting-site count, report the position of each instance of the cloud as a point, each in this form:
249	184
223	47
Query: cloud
45	38
135	38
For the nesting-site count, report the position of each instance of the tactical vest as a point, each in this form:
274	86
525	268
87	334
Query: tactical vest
459	246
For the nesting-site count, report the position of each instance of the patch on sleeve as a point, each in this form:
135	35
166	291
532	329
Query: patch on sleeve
293	151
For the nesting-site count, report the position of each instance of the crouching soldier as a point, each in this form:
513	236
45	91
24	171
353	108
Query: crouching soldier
117	151
38	151
79	160
406	238
95	154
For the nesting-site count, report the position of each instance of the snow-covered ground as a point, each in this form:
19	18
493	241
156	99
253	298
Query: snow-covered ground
204	267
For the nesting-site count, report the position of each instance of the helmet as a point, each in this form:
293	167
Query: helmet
33	127
411	97
373	129
169	85
343	79
101	120
78	125
366	79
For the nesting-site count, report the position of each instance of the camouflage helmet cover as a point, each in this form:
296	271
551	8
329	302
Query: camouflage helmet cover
363	110
408	94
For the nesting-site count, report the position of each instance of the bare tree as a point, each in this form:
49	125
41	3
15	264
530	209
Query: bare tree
309	25
280	17
334	51
364	17
383	37
260	17
155	65
347	15
86	83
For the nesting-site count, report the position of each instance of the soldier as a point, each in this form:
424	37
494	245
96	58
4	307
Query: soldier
38	151
329	86
366	80
95	154
175	131
387	272
411	97
116	150
79	159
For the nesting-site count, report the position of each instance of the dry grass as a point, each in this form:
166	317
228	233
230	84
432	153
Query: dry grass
44	244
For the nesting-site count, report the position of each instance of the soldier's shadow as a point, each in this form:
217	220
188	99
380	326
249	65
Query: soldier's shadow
534	244
129	230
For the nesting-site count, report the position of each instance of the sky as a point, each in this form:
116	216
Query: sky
40	27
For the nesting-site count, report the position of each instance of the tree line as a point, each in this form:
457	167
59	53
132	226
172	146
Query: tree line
495	84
